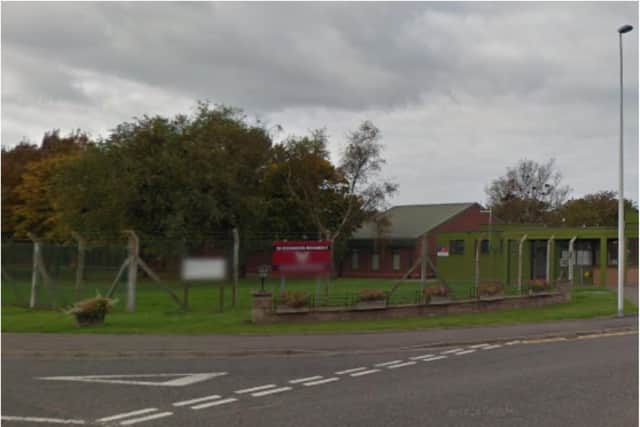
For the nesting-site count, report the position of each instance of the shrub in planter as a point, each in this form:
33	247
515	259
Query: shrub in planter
294	299
436	293
91	311
539	285
490	289
365	295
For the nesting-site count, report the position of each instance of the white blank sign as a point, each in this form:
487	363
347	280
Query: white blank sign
204	268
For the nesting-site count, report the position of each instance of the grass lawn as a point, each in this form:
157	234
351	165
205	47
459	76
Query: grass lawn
157	313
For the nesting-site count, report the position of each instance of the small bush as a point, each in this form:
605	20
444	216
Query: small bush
490	289
92	310
294	299
372	294
436	291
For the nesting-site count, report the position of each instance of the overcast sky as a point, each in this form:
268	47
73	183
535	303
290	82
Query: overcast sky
459	90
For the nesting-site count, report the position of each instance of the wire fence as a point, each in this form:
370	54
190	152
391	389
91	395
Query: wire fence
52	275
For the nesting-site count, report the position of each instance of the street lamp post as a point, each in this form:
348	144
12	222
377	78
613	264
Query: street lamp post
622	30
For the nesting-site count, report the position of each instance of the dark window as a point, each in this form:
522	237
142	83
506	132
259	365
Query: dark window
632	253
396	261
612	252
375	262
484	246
456	247
355	261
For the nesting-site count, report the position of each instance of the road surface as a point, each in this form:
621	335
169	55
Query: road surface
591	381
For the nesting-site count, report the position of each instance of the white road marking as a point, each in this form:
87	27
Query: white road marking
479	345
453	350
424	356
272	391
184	379
512	342
40	420
199	399
401	365
348	371
249	390
370	371
147	418
431	359
491	347
302	380
126	415
464	352
216	403
326	380
393	362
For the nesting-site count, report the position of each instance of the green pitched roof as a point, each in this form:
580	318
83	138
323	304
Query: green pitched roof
411	221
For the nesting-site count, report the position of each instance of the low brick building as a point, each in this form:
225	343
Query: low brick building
390	250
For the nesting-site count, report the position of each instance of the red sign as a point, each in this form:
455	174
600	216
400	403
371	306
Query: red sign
301	257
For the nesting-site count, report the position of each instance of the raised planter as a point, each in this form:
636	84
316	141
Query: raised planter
439	300
285	309
89	319
370	305
494	297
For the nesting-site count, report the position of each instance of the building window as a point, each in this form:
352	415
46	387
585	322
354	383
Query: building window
456	247
396	261
612	252
484	246
375	262
355	261
632	253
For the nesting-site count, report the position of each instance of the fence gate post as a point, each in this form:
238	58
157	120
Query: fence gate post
34	275
236	261
82	247
520	263
134	251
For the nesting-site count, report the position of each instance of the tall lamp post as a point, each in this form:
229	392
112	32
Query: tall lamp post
622	30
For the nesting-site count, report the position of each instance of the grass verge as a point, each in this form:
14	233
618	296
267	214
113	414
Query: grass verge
157	315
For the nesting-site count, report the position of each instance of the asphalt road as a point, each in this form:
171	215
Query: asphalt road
578	382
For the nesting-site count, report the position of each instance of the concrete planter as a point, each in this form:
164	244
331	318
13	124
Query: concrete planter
494	297
439	300
370	305
285	309
92	319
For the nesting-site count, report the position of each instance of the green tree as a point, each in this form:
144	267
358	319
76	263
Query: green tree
597	209
338	199
527	193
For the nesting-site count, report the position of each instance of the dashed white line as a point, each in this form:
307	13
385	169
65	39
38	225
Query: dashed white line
393	362
249	390
401	365
147	418
272	391
303	380
453	350
464	352
126	415
512	342
200	399
370	371
424	356
40	420
491	347
324	381
216	403
348	371
431	359
479	345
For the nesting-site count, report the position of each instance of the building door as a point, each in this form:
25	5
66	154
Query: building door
538	259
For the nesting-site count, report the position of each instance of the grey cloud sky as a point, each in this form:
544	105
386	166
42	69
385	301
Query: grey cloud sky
459	90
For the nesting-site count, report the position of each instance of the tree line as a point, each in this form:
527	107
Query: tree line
187	176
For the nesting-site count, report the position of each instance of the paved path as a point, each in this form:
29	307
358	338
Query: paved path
67	345
587	381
